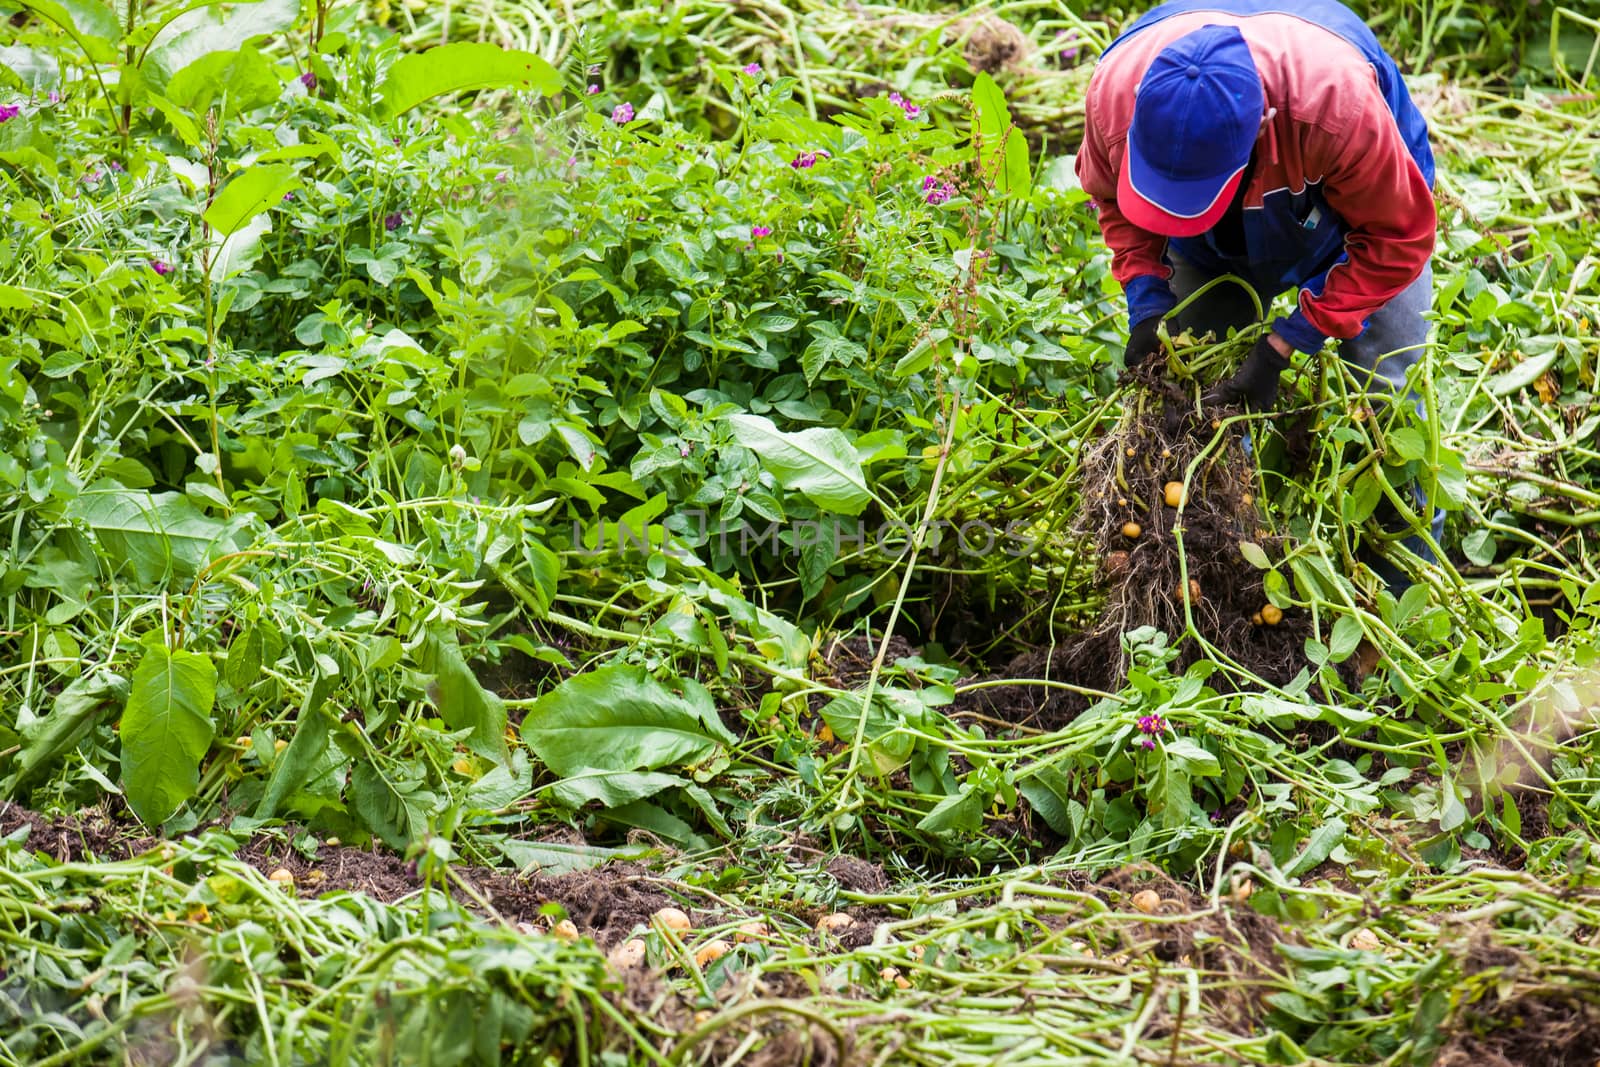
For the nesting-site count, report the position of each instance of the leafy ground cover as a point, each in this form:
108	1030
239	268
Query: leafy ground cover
479	478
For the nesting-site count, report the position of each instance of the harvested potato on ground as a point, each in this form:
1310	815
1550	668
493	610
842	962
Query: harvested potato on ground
1147	901
566	930
1174	495
836	923
282	876
671	918
711	952
751	931
628	954
1272	615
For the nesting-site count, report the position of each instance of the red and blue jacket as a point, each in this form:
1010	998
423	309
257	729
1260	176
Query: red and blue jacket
1340	203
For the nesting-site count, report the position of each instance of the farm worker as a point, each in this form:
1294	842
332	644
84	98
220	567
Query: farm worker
1275	142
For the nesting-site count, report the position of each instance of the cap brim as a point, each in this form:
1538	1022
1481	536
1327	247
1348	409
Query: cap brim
1173	208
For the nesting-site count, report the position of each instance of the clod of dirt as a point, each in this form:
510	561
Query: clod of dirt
858	875
1543	1028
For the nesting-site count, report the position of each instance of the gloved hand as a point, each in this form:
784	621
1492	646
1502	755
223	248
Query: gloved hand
1256	382
1143	342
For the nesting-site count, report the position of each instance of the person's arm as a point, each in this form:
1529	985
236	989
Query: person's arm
1373	183
1136	255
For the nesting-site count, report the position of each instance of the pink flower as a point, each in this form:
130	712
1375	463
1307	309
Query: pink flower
622	114
160	267
9	112
760	231
393	222
929	182
1147	743
912	111
1152	724
309	80
592	90
804	161
938	194
752	69
55	97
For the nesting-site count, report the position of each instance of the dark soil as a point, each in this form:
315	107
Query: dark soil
606	903
1545	1028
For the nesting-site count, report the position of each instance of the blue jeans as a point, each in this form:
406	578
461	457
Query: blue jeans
1381	357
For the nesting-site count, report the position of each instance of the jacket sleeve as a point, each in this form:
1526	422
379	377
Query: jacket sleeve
1370	179
1136	255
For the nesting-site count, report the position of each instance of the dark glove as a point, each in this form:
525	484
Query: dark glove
1143	342
1256	383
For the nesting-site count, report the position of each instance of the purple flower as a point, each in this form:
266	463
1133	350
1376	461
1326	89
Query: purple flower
9	112
392	222
806	160
287	197
505	175
1152	724
940	193
592	90
912	111
622	114
160	268
55	97
897	100
929	182
752	69
309	80
760	231
1148	742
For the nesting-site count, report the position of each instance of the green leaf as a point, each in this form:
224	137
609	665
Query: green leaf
818	462
91	24
229	82
1318	848
295	764
612	789
76	709
449	68
1346	637
35	69
554	857
166	729
1480	547
249	193
1191	757
209	29
157	534
620	718
1523	374
1254	555
954	814
1004	151
464	704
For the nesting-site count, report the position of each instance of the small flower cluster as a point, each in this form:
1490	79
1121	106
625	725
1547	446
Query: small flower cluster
1069	47
807	160
1151	726
160	268
622	114
935	191
9	112
911	110
395	221
758	232
309	80
752	69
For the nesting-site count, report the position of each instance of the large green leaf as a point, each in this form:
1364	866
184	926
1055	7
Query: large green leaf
35	69
229	82
818	462
91	24
166	729
466	65
208	29
249	193
157	534
463	703
621	719
612	789
1004	151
